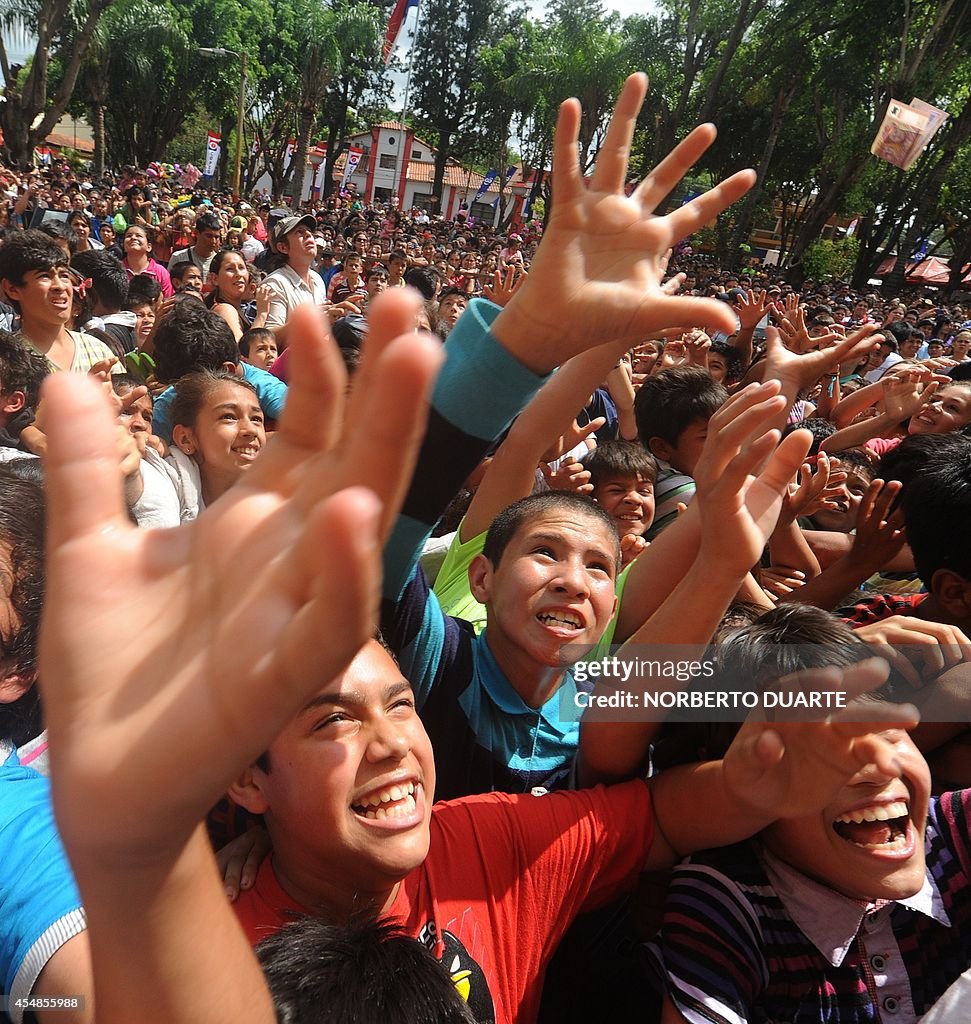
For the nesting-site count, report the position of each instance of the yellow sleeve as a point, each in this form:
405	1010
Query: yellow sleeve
452	585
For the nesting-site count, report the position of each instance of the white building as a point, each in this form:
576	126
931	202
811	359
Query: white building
394	161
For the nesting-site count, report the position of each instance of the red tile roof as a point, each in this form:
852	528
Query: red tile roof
68	142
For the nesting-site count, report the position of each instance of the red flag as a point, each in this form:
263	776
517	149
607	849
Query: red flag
398	14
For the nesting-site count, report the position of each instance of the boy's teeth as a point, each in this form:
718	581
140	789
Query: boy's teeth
379	804
883	812
560	620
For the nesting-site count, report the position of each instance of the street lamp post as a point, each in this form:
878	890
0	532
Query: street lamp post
219	51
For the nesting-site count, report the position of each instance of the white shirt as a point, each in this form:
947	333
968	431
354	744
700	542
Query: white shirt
288	290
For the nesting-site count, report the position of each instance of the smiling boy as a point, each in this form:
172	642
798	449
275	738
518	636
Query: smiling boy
346	791
857	912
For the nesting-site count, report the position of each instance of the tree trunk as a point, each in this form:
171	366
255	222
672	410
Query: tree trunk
441	160
99	140
743	225
298	166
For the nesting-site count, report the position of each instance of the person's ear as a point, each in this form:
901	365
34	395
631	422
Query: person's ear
13	402
11	289
660	448
953	593
184	439
13	685
481	573
247	791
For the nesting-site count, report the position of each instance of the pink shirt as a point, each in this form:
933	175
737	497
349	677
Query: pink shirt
157	271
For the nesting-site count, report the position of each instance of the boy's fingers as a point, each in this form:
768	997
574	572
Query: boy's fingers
391	316
705	208
383	442
312	417
685	311
83	478
611	167
674	166
333	576
567	182
784	460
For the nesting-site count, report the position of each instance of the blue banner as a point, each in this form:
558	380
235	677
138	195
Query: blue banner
509	174
490	177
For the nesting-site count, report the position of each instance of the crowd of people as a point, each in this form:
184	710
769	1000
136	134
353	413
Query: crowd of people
297	598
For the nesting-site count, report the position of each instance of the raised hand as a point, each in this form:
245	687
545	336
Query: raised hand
795	768
906	393
597	275
816	488
799	372
743	474
879	533
504	286
751	308
221	628
697	344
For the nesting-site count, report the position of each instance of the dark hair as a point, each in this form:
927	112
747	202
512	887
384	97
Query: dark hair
376	271
854	460
366	971
786	639
817	426
192	390
917	452
109	282
732	357
397	254
192	338
123	383
61	231
897	332
619	459
208	222
22	521
252	335
669	402
937	508
425	279
505	526
452	291
179	270
143	290
25	251
21	369
149	232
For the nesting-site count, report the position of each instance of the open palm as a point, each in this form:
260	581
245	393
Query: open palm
598	272
266	596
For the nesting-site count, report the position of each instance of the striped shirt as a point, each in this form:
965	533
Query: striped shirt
670	488
731	951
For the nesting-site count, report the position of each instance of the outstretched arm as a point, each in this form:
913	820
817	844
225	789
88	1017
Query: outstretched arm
742	475
195	694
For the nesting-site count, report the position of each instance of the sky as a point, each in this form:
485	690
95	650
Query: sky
536	9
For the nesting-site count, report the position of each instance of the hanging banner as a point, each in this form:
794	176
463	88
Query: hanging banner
288	155
318	156
509	174
490	177
212	154
350	166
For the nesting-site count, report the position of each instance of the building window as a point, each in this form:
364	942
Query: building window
423	200
388	161
416	154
